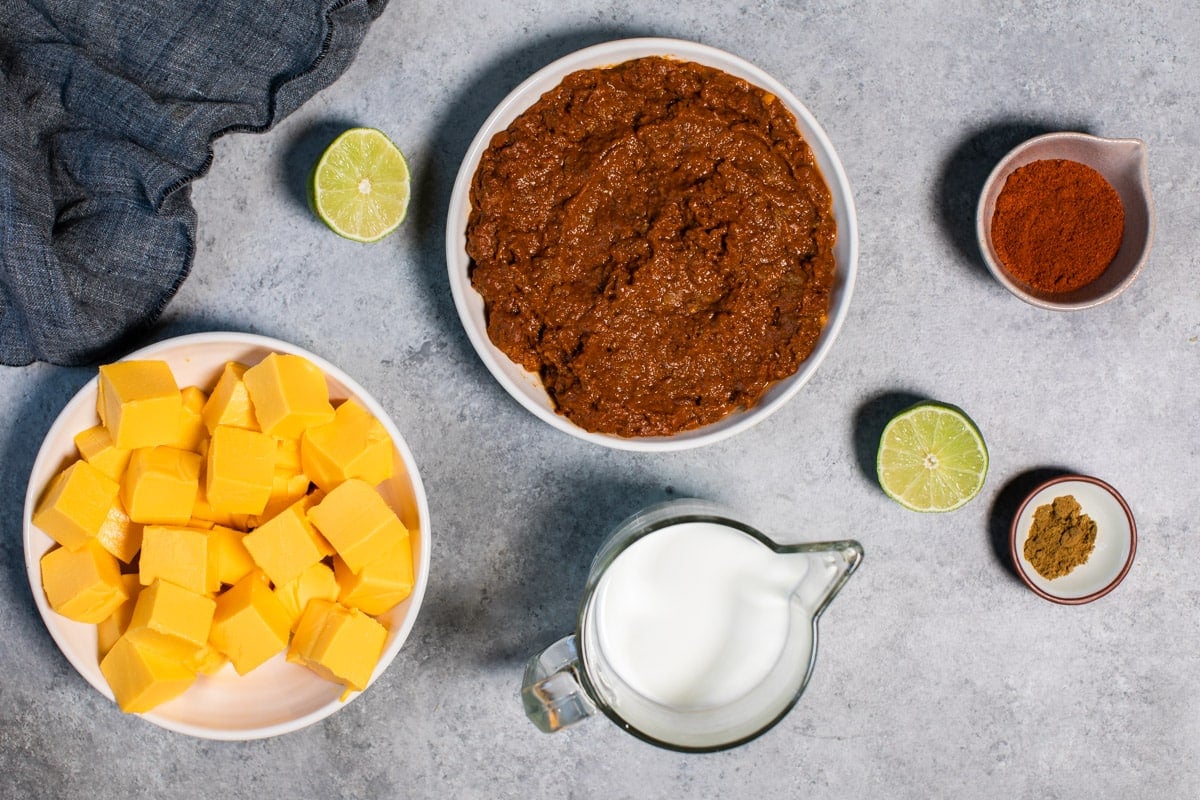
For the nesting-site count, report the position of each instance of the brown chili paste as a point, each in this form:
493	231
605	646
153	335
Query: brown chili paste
655	241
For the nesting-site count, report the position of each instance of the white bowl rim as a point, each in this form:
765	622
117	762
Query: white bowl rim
615	52
50	617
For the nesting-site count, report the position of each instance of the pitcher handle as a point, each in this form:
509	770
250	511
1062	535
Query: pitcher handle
837	563
551	691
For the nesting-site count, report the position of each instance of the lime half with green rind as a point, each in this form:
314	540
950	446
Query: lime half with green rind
931	458
360	186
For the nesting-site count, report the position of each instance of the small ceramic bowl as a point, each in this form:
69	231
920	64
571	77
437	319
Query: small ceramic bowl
526	387
1116	540
1122	162
277	697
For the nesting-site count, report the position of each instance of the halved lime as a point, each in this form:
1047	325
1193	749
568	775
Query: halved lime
360	186
931	458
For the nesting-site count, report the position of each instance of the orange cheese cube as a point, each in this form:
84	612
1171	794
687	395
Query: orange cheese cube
139	403
358	523
203	510
141	677
381	584
85	584
233	561
120	535
289	394
229	403
171	619
353	445
192	430
250	624
113	626
179	555
286	544
239	470
208	660
285	490
96	447
160	485
338	643
315	582
243	522
307	502
76	505
287	457
288	485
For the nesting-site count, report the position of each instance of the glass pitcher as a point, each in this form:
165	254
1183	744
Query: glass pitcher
696	632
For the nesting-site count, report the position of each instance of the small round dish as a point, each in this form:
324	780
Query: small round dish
278	697
1122	162
526	387
1116	540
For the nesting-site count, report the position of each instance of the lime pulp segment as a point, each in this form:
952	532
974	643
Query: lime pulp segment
360	186
931	458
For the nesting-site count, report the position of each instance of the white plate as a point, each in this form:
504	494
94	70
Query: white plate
278	697
526	387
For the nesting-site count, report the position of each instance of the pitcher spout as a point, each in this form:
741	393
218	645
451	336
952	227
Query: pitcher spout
831	565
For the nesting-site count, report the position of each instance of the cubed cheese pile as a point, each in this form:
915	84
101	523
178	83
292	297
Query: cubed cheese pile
201	528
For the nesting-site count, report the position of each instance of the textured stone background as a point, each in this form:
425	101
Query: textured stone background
939	674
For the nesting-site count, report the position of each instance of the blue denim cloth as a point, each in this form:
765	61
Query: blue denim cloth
108	109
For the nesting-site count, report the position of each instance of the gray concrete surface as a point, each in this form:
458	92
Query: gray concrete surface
939	675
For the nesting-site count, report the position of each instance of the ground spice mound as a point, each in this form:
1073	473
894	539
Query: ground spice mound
1061	537
656	242
1058	224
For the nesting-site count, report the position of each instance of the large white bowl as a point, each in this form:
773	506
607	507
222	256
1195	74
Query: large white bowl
526	387
277	697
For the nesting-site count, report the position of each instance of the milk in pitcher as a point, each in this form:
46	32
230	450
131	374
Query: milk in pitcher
696	615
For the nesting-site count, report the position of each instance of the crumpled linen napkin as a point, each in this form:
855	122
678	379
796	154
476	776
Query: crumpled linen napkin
107	112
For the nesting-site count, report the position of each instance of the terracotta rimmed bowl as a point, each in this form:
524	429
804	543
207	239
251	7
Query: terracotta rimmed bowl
526	387
1122	162
277	697
1116	540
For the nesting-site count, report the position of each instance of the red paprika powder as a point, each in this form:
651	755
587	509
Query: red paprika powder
1058	225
